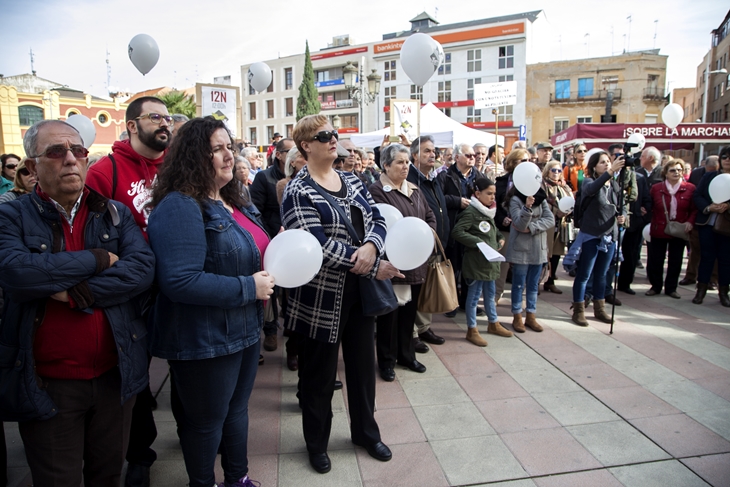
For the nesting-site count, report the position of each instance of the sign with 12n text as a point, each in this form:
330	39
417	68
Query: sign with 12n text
220	103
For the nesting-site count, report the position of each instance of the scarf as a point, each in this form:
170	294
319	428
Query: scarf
673	193
490	212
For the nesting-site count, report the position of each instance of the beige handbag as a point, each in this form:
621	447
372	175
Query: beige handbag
438	293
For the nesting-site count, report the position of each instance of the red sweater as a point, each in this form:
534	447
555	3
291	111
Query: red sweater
135	175
69	343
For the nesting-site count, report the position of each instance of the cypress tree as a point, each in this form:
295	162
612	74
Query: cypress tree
307	103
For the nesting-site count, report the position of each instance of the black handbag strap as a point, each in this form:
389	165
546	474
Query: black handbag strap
337	207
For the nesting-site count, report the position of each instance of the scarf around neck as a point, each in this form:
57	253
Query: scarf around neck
490	212
673	203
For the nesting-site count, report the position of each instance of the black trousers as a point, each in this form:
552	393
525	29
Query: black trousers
143	431
655	264
631	248
317	372
3	458
395	333
89	432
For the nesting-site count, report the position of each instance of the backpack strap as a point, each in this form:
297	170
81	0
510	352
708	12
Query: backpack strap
114	175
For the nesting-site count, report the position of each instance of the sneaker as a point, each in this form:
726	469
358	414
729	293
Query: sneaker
243	482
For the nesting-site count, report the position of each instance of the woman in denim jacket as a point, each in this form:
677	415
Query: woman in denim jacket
208	316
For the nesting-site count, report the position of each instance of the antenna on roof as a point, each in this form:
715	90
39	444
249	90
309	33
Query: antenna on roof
628	39
108	71
656	25
436	13
32	62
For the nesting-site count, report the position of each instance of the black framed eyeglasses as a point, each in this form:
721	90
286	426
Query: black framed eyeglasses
59	152
325	136
157	118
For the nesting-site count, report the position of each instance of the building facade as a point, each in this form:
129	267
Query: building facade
479	51
628	87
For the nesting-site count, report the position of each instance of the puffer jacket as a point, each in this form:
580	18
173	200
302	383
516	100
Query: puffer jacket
528	247
34	266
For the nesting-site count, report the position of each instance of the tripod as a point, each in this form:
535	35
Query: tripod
619	212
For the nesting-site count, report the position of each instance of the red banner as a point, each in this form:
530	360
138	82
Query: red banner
684	136
325	55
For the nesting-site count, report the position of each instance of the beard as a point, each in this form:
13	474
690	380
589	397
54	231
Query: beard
150	138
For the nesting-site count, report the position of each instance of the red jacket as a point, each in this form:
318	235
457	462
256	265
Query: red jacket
686	210
135	175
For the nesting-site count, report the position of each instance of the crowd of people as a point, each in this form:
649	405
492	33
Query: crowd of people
157	250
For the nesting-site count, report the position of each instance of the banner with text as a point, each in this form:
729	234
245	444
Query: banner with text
489	95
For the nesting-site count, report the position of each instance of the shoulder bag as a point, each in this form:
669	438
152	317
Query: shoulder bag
378	296
438	292
722	224
673	229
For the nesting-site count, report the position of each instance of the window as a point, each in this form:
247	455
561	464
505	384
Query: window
474	60
585	120
349	120
444	91
470	87
585	87
505	113
289	107
506	57
252	110
473	115
103	118
269	108
389	71
270	88
446	67
726	110
446	111
329	74
29	114
509	77
562	89
561	124
417	93
389	95
288	79
289	130
251	91
252	136
610	83
648	118
269	132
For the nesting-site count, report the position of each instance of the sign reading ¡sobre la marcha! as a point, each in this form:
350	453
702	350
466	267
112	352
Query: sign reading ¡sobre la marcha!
220	103
488	95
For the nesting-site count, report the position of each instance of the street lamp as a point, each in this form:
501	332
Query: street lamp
704	99
356	89
336	122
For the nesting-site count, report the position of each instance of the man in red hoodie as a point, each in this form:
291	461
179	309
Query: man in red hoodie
126	175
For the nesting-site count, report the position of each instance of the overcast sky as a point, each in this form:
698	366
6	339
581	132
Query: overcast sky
199	40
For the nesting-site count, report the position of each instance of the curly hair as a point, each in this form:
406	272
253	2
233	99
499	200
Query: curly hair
188	166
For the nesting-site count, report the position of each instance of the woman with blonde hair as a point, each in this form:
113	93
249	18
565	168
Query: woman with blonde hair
23	181
558	236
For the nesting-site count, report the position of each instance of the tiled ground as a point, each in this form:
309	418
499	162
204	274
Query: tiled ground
648	405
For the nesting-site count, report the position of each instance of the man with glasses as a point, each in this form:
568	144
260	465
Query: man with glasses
72	264
127	175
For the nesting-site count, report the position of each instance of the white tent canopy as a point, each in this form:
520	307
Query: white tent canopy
445	130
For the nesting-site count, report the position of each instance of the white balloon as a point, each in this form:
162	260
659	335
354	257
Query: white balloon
420	57
85	127
646	233
720	189
591	152
390	213
637	138
566	204
293	258
527	178
259	76
143	52
409	243
672	115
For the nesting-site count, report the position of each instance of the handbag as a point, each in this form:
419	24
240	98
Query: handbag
674	229
438	292
378	297
722	224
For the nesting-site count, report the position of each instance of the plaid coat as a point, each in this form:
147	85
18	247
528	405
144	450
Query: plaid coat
314	309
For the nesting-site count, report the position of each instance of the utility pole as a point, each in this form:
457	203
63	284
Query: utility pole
32	62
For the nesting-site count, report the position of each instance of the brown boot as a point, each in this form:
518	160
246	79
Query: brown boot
498	329
532	323
599	312
724	298
579	314
701	291
472	334
517	324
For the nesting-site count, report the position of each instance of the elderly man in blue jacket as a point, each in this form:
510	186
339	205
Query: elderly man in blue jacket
72	344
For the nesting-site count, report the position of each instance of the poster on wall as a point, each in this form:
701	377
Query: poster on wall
405	118
221	103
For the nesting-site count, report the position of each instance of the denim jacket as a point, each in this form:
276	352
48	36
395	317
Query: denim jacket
207	305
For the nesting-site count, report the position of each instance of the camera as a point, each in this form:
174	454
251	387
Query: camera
629	160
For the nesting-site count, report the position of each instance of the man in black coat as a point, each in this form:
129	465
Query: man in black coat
639	217
712	163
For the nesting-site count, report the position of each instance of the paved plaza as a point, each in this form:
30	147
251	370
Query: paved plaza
647	406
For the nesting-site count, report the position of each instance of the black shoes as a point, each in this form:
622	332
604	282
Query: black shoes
627	290
137	476
388	374
611	299
451	314
415	366
419	346
320	462
430	337
338	385
378	451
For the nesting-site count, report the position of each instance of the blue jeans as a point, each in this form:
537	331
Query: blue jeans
214	397
476	288
525	277
596	262
609	281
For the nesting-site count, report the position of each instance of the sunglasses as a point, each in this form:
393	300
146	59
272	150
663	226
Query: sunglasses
469	156
556	170
618	154
580	151
24	172
157	118
325	136
59	152
724	157
525	160
10	166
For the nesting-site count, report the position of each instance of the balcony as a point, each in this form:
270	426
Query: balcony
654	93
581	97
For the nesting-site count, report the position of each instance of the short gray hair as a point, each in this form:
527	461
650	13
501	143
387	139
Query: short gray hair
479	144
290	157
387	156
457	148
519	144
248	152
242	159
712	161
654	153
416	145
30	140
